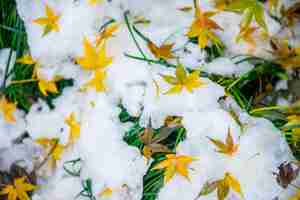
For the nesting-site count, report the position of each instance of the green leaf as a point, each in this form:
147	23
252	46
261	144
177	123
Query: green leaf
208	188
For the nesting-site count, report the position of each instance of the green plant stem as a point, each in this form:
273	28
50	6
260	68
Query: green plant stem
151	60
132	35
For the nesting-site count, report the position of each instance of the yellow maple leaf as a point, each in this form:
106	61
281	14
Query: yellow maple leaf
93	58
106	192
8	110
228	148
107	33
74	128
46	86
183	80
162	52
202	28
175	164
50	22
19	190
222	186
54	147
97	81
233	183
94	2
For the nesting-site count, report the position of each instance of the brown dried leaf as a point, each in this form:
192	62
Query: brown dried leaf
287	174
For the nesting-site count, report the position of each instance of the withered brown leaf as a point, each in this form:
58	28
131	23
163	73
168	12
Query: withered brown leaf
287	173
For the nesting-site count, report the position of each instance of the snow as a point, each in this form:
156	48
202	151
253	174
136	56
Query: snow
107	159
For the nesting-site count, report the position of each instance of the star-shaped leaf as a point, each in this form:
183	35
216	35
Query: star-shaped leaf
202	28
19	190
74	128
7	108
162	52
94	57
228	148
54	149
50	22
222	186
152	142
183	79
175	164
98	81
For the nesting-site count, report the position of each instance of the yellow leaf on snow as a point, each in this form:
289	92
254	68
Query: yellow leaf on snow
106	192
74	128
222	186
162	52
202	28
54	146
175	164
228	148
19	190
94	58
8	110
50	22
98	81
183	80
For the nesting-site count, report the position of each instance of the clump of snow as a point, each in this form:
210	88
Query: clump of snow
226	66
261	150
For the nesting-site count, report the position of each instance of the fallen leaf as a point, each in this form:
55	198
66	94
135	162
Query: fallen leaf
175	164
50	22
228	148
53	147
93	58
106	192
152	142
74	128
19	190
97	82
7	108
202	28
222	186
162	52
287	173
296	196
182	79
